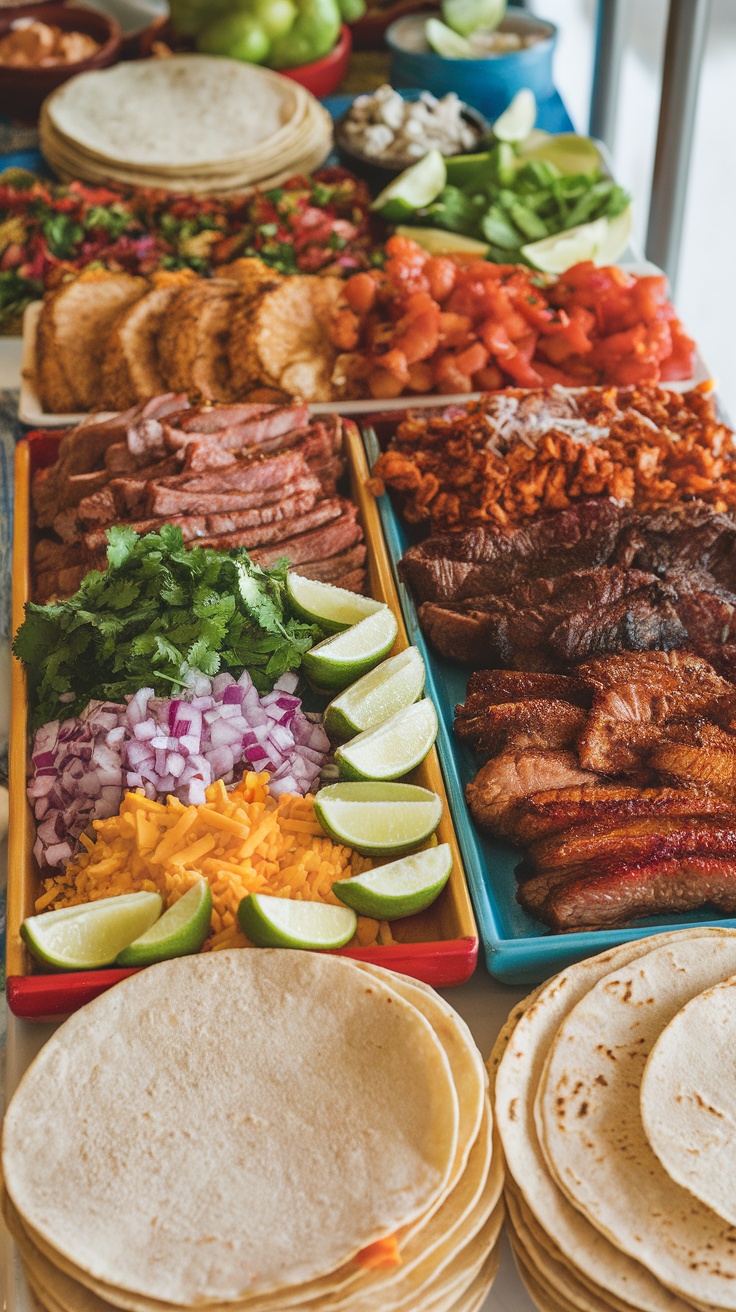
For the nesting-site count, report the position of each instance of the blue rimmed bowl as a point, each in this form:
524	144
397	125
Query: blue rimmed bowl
488	84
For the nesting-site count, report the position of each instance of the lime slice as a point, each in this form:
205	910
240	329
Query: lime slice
401	888
393	748
439	242
393	684
445	42
332	608
378	819
518	119
90	936
566	150
280	922
413	189
603	241
179	932
340	660
464	16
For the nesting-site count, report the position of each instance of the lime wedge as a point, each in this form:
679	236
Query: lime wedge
445	42
340	660
566	150
179	932
413	189
401	888
393	684
603	241
332	608
393	748
280	922
518	119
464	16
439	242
378	819
90	936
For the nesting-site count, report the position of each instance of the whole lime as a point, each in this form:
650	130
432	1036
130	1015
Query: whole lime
188	17
276	17
239	36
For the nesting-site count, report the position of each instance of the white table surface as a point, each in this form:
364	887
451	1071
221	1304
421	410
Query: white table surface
482	1002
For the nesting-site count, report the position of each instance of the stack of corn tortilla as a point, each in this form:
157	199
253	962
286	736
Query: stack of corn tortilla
615	1097
191	123
257	1130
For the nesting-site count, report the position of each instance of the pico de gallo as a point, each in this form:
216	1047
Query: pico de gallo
426	323
49	232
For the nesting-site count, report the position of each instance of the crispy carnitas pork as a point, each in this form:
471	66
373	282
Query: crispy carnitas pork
507	458
621	778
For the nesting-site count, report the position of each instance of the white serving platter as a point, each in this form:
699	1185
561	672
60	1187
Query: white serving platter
31	411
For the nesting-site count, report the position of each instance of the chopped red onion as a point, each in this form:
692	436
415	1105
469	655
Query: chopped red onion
81	768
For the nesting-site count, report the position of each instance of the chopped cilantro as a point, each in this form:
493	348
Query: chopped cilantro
159	611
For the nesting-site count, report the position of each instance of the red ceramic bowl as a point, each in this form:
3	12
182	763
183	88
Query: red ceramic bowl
324	75
23	90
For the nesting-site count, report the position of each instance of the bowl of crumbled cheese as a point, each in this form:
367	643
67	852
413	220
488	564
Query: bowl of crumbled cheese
383	133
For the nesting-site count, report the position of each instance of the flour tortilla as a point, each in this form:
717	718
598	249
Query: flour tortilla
590	1122
178	114
688	1099
517	1080
554	1272
158	1118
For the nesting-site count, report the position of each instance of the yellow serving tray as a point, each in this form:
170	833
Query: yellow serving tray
439	945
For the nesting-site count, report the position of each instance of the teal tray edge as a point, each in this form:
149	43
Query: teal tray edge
525	959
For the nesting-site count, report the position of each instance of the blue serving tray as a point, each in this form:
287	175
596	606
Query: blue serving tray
518	948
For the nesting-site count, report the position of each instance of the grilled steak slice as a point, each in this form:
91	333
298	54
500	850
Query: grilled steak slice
458	634
192	527
559	810
223	416
634	840
492	687
629	892
261	532
241	475
164	502
49	555
515	774
59	584
680	537
336	569
272	422
331	540
533	723
456	566
639	621
546	623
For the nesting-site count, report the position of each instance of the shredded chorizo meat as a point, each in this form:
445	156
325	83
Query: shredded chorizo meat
505	458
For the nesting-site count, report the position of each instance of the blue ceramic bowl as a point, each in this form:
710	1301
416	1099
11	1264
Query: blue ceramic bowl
488	84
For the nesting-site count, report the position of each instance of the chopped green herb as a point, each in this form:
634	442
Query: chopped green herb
157	612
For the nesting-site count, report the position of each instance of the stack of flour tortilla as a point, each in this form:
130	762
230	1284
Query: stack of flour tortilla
191	123
615	1098
257	1130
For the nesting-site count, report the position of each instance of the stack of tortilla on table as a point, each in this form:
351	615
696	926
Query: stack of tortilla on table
257	1130
615	1100
191	123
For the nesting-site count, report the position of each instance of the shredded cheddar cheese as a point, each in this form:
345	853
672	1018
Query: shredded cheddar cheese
244	841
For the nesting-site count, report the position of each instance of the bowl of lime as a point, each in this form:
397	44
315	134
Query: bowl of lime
479	47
